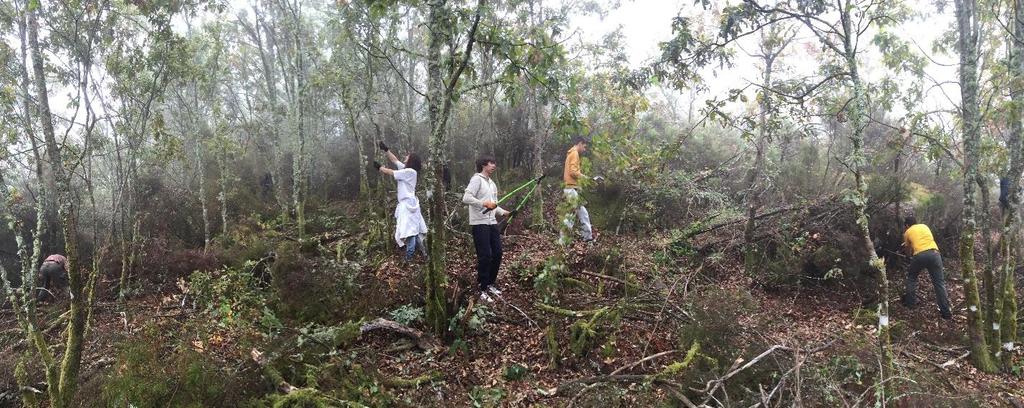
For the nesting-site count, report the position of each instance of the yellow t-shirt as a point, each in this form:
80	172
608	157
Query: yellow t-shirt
919	238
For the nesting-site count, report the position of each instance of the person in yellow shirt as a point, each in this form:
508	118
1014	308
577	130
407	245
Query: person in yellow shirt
920	245
572	175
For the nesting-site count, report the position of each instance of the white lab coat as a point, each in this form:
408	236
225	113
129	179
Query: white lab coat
408	217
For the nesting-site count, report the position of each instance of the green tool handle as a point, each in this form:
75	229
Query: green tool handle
510	193
518	207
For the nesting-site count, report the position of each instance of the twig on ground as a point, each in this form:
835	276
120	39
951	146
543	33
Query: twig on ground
954	360
712	386
642	360
672	387
519	310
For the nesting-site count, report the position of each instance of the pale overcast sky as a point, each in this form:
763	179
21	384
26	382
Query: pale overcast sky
645	23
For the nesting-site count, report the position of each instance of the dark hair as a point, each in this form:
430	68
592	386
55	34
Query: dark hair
909	220
483	161
580	139
413	162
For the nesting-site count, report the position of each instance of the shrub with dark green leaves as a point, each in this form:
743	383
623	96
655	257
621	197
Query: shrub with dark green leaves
151	373
310	291
233	298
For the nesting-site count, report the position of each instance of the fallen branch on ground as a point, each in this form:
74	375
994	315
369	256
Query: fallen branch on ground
1013	400
412	382
712	386
954	360
567	312
271	373
672	387
520	311
423	341
744	219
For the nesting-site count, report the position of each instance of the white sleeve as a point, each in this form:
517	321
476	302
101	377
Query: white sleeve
399	165
405	174
469	196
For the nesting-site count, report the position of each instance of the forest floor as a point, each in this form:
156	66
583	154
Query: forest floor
687	331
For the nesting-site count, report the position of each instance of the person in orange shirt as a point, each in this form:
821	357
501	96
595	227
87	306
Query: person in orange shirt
920	245
572	175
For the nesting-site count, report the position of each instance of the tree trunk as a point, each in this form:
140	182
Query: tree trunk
363	159
45	178
440	98
222	160
967	43
988	264
436	276
270	82
203	202
299	158
540	133
754	175
1004	318
61	395
857	159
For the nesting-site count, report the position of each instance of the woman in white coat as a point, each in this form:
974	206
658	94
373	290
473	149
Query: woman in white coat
410	229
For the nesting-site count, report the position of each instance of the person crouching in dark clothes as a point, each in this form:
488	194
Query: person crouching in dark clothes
53	277
919	243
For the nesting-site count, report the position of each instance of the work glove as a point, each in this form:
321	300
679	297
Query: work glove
377	165
512	213
382	146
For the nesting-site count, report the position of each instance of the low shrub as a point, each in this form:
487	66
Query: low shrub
150	373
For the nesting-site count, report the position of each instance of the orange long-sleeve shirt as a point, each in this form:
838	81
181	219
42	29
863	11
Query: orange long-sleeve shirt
572	173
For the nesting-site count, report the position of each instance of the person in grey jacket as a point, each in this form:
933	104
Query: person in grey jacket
481	194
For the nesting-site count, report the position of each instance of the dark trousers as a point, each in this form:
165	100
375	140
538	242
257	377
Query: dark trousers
52	279
487	240
932	261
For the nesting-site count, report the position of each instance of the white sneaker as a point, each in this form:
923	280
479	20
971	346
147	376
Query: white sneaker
494	290
485	298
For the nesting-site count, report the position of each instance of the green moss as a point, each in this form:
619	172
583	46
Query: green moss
608	349
515	372
554	352
865	317
21	376
303	398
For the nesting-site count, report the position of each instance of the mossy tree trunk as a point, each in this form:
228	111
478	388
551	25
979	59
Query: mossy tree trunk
299	160
203	201
968	28
1004	316
539	131
440	99
857	161
540	125
63	389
